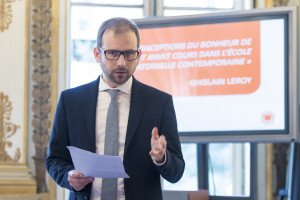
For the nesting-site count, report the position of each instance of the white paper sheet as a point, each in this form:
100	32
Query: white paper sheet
96	165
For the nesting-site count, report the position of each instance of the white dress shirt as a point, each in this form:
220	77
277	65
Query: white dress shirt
101	115
103	102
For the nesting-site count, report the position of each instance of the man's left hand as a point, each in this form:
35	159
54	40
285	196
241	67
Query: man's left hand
158	146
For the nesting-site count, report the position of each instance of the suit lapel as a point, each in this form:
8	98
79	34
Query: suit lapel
137	104
90	97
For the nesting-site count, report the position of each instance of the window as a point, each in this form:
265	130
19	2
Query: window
189	180
86	17
190	7
173	8
229	169
222	168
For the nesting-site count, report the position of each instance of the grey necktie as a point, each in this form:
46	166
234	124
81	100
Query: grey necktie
111	146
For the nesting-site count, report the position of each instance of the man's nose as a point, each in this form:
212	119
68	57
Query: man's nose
121	60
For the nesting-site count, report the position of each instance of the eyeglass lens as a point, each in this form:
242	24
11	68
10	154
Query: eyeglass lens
114	55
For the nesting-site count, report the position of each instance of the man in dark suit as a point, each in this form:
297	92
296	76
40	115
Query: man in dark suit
148	136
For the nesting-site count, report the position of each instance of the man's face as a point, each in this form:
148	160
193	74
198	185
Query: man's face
117	72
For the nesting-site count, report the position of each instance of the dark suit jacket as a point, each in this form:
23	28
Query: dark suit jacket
74	124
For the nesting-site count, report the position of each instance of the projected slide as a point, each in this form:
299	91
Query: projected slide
223	76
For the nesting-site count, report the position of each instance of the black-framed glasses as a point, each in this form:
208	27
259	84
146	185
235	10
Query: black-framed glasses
129	55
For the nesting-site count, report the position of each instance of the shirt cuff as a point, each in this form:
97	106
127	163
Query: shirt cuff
160	164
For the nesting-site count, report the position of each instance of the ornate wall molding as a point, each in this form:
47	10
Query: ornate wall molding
41	93
280	2
7	129
5	14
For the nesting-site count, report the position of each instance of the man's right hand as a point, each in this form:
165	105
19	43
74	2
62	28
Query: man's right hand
78	181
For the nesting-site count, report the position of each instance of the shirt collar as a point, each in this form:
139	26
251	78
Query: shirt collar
126	87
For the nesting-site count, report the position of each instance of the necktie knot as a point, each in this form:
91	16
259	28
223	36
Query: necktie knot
113	94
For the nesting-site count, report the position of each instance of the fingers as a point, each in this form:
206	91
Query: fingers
74	173
158	146
155	135
78	181
162	143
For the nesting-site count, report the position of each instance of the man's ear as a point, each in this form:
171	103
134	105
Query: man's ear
96	54
140	53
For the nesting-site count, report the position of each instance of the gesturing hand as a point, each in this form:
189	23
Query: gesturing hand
158	146
78	181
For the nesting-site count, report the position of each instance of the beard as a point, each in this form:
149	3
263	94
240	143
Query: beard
119	79
117	76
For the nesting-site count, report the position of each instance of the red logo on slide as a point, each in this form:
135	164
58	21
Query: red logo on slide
268	117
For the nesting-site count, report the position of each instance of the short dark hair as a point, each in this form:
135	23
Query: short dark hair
118	25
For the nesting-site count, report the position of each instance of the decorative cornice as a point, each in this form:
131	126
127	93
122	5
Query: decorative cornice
41	93
7	129
5	14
